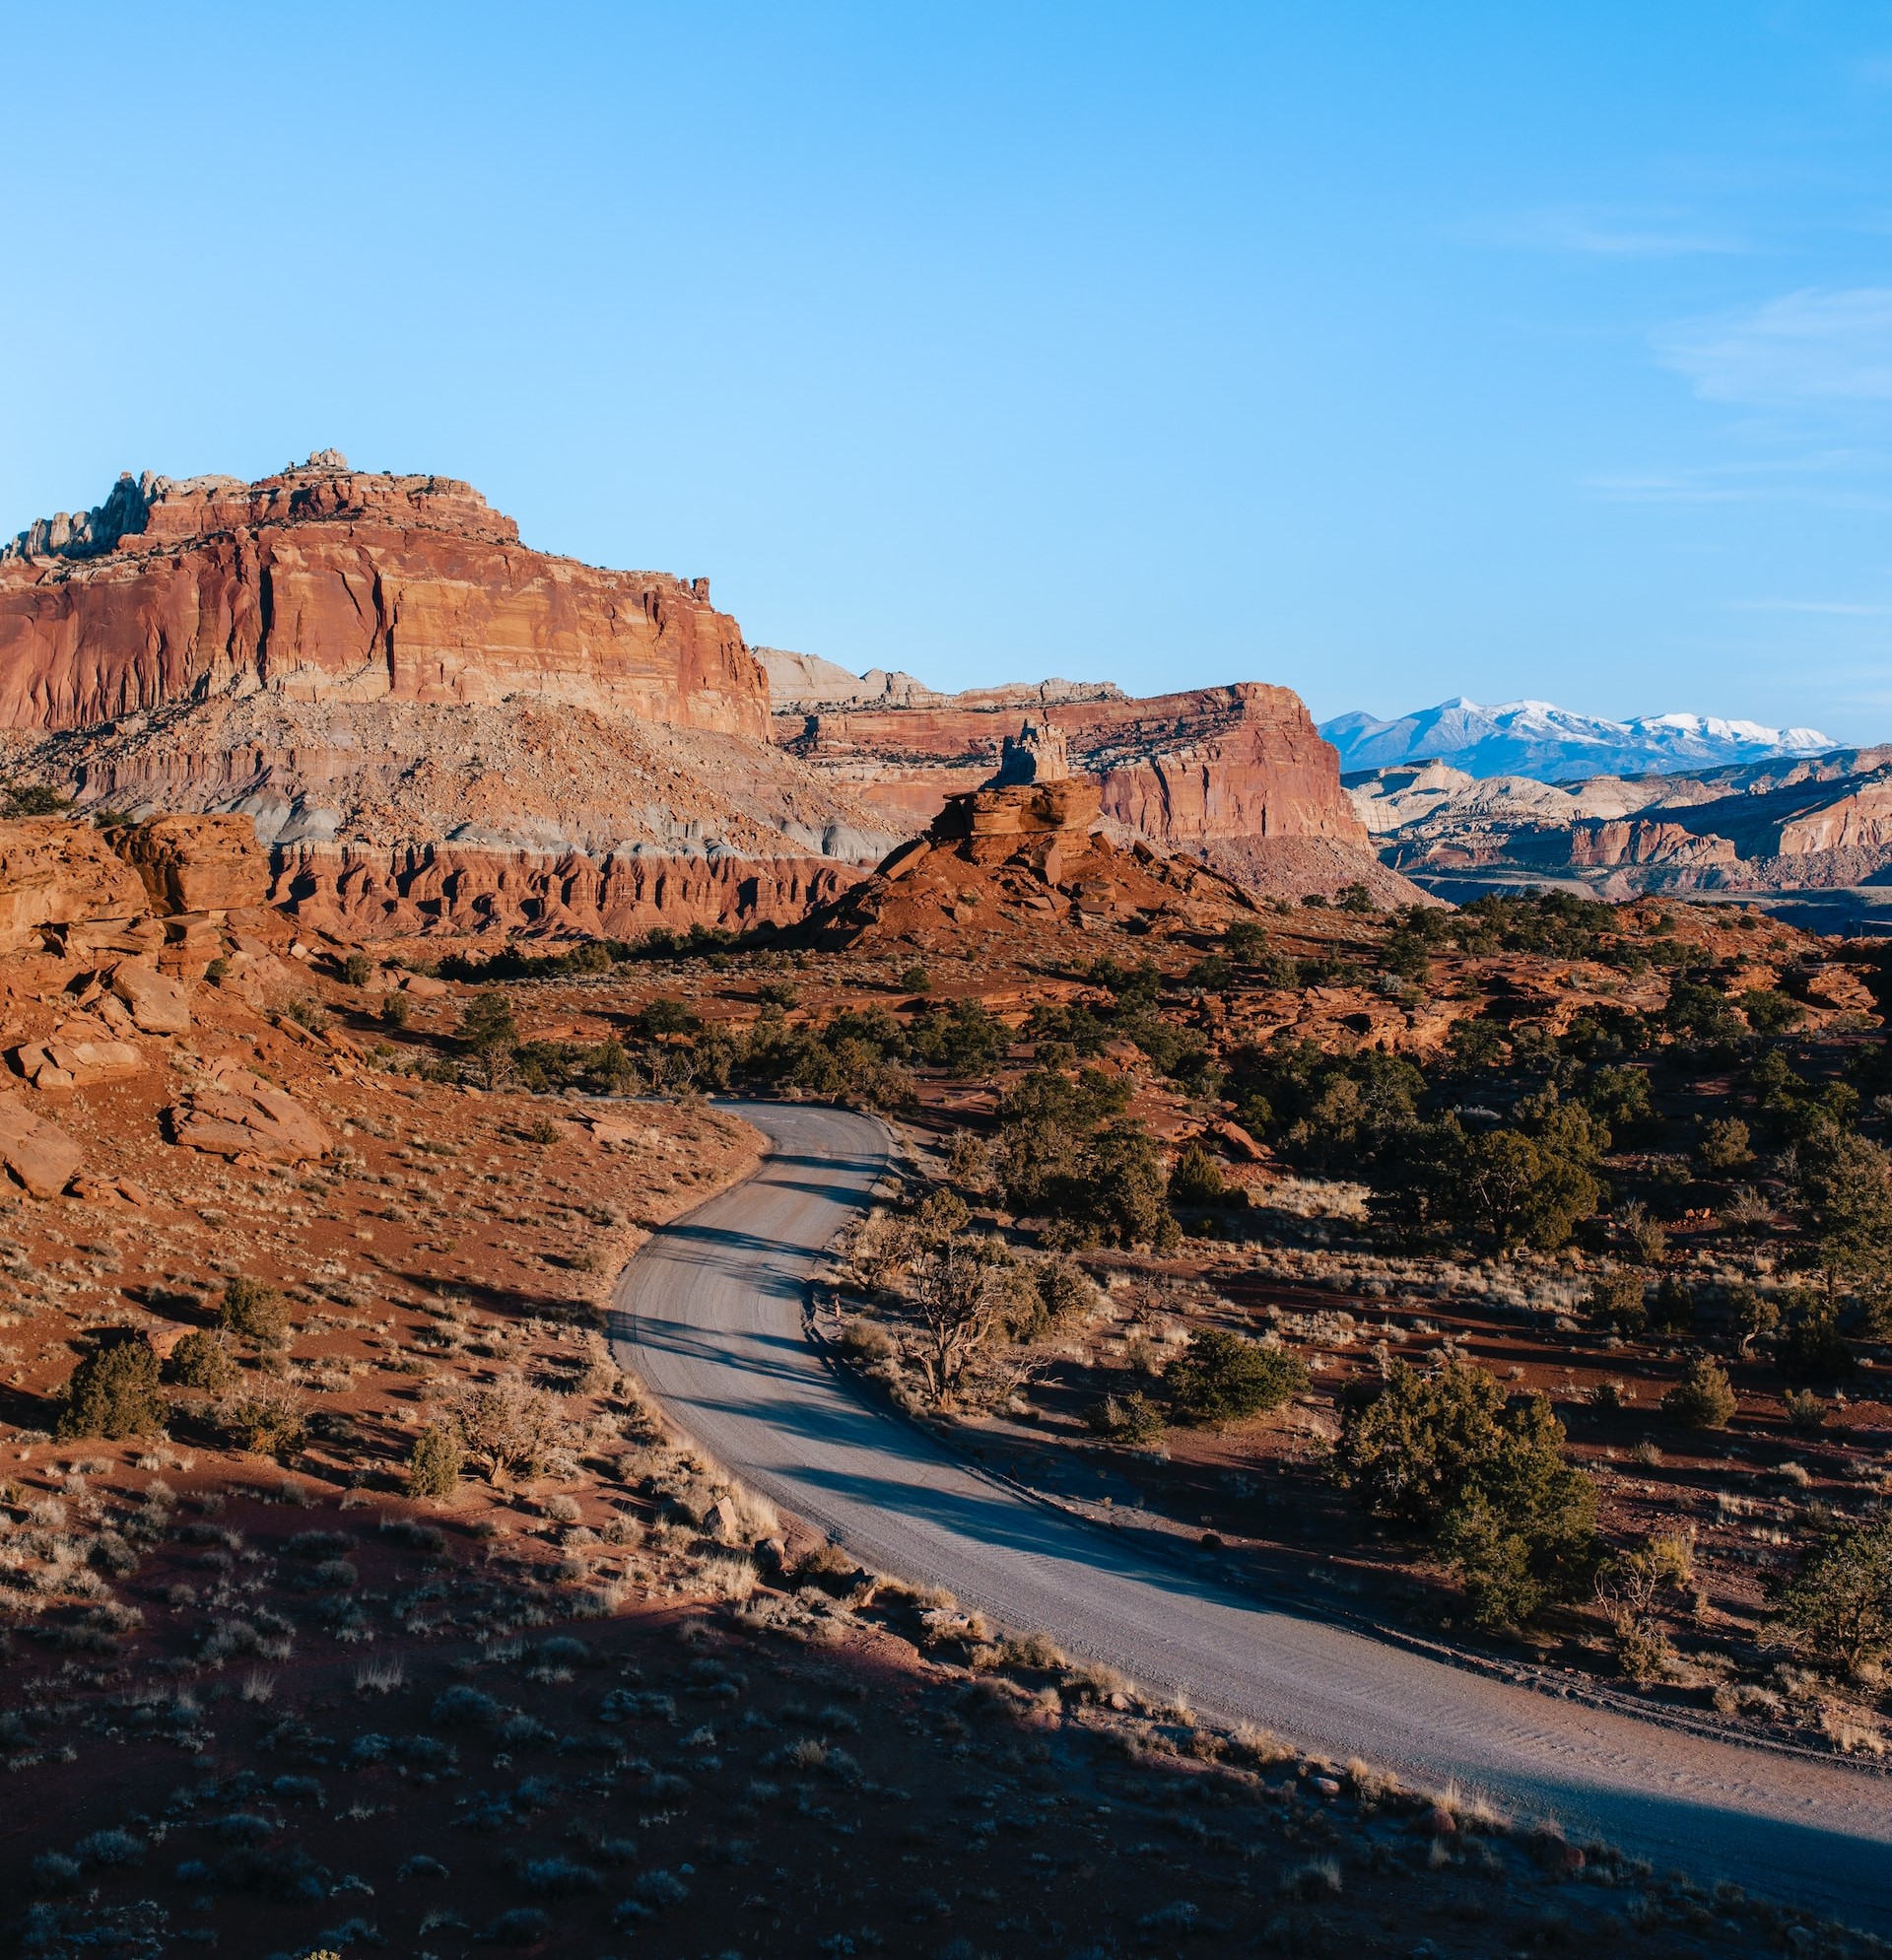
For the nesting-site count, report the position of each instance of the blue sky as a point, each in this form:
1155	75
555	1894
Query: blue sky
1388	352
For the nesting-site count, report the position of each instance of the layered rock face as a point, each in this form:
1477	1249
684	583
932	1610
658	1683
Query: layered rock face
1811	824
63	882
1030	852
327	584
436	730
1236	775
806	684
432	728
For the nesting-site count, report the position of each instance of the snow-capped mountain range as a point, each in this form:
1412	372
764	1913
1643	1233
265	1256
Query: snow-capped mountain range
1553	744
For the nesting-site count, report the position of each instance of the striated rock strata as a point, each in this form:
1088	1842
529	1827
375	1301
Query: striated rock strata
326	584
1027	855
1794	824
1236	775
432	726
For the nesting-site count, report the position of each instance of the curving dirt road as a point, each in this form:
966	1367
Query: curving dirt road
709	1314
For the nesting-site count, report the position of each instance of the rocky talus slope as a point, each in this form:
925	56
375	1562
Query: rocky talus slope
1795	825
432	726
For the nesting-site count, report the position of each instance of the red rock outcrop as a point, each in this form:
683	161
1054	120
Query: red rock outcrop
234	1112
1240	761
82	887
435	728
38	1153
55	873
1027	853
367	892
198	863
1237	775
327	584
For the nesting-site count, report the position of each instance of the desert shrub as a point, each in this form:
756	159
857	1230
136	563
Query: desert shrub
1630	1588
1530	1186
1768	1010
1723	1147
1527	1185
862	1341
1059	1289
1198	1179
1751	1313
557	1876
505	1427
1132	1418
490	1034
523	1925
1222	1379
1474	1043
1444	1456
252	1309
200	1361
113	1391
1616	1302
1703	1398
1842	1183
358	969
963	1037
1069	1154
856	1058
1327	1113
395	1010
1812	1349
464	1707
963	1295
434	1463
31	799
1806	1411
268	1420
1700	1014
1838	1604
1673	1308
916	979
1618	1099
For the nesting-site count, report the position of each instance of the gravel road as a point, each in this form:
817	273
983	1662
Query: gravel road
709	1315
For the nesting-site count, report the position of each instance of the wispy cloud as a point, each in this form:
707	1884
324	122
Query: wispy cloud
1830	475
1828	608
1671	486
1819	347
1834	608
1599	231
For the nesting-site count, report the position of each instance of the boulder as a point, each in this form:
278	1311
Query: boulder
235	1113
197	864
82	1059
156	1005
55	875
38	1153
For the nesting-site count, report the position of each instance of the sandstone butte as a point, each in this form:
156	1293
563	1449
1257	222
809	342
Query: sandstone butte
1236	775
435	729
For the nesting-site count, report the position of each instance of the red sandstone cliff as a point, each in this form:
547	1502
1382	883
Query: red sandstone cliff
326	584
1237	775
434	727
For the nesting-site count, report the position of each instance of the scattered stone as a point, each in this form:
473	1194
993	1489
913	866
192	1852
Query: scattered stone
235	1113
38	1153
157	1006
